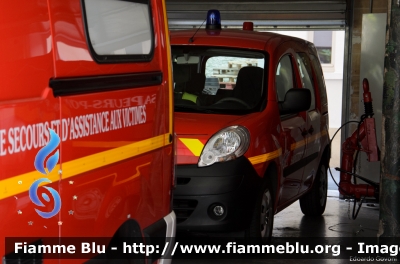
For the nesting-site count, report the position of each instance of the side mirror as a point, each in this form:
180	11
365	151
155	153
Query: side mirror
296	100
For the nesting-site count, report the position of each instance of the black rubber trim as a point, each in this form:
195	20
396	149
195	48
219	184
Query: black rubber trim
300	164
157	229
155	235
84	85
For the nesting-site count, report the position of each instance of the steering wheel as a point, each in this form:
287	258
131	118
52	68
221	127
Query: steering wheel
234	99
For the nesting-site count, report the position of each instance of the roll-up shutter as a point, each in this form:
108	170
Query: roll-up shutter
264	14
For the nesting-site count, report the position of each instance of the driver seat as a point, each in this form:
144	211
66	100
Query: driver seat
249	85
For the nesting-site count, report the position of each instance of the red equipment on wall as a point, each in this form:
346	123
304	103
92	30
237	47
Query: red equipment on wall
365	135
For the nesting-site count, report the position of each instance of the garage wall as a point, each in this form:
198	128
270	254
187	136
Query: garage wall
352	89
363	49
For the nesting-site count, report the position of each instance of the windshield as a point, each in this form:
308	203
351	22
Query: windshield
217	80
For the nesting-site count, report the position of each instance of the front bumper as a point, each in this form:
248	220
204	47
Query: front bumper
231	184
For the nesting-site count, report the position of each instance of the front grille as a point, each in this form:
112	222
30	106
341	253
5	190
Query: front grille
184	208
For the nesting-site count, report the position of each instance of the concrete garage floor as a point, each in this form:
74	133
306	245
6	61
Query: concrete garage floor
335	222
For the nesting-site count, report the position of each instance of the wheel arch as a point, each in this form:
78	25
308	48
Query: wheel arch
326	155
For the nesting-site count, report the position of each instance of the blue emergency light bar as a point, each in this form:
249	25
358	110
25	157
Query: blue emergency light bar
213	19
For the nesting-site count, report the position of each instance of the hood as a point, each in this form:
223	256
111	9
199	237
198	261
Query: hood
193	131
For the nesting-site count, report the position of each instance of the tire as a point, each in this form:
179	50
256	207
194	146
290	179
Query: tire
313	203
262	222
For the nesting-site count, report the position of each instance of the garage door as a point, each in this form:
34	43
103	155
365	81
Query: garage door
265	14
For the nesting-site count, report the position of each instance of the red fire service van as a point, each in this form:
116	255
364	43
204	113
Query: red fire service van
86	128
251	118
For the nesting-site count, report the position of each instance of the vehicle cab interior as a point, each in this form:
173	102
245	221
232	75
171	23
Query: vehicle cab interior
218	79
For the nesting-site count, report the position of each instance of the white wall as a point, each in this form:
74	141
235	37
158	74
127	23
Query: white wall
334	80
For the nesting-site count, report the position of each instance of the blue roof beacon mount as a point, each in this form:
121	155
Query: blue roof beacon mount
213	19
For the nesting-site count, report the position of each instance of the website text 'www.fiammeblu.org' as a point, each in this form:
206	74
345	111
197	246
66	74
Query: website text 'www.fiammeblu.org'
282	248
234	248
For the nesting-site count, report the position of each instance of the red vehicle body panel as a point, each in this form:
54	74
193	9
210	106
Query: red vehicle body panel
115	163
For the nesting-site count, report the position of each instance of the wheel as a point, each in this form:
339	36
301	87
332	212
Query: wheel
262	220
234	99
313	203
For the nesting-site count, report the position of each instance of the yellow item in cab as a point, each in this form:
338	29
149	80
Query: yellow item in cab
190	97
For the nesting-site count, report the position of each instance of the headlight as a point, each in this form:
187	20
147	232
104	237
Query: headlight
228	144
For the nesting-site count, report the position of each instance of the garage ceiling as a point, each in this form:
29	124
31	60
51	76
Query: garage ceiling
282	14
